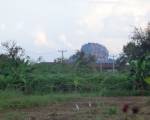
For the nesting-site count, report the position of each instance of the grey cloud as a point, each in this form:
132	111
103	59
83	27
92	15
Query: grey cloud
21	20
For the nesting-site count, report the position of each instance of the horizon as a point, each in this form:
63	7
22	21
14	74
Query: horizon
44	27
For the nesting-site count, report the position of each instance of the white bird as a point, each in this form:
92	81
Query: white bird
90	105
77	107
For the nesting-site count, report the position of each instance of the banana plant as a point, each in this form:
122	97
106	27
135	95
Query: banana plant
138	72
147	78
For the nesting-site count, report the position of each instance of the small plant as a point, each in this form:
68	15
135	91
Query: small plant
111	111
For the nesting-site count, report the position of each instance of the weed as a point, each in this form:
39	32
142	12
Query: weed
111	111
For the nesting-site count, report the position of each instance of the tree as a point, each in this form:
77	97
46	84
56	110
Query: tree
14	65
122	62
131	51
12	50
60	60
137	53
84	61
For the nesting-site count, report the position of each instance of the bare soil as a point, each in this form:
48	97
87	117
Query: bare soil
95	108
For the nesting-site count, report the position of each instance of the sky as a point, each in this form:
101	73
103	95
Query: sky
42	27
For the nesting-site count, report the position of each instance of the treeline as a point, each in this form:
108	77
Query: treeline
17	72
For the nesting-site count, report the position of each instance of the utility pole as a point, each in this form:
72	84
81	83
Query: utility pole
113	63
62	54
113	67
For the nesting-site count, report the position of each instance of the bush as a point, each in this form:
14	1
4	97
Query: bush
116	81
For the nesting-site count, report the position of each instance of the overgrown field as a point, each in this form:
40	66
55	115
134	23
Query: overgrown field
49	78
84	108
18	100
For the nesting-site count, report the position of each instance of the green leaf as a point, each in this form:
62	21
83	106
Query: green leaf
147	80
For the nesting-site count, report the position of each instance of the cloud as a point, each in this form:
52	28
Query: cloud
50	26
111	24
63	38
20	25
98	13
136	9
95	15
103	1
2	27
41	39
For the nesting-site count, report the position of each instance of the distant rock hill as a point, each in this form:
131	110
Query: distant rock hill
99	51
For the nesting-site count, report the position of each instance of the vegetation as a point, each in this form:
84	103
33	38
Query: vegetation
18	73
137	56
17	100
37	83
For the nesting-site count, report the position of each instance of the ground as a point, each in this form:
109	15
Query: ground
94	108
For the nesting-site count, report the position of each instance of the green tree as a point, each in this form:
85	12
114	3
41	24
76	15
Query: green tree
85	62
14	65
137	53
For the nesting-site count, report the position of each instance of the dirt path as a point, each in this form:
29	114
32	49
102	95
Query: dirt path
96	108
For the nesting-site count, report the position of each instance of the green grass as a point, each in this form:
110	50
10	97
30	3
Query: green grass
14	116
17	100
12	99
110	111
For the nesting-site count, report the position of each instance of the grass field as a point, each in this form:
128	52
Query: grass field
17	100
16	106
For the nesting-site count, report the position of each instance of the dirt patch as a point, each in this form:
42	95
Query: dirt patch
95	108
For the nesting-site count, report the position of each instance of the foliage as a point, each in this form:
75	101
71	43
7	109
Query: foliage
84	62
136	54
121	63
116	81
17	73
111	111
14	67
138	72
